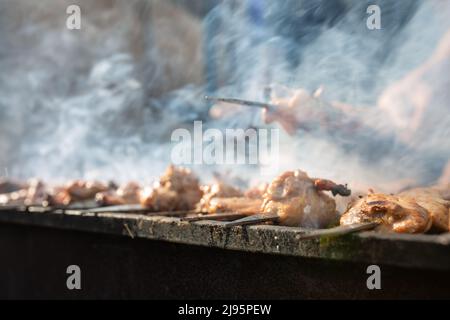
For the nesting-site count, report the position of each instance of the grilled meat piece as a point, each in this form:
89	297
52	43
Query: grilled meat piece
436	201
412	211
157	198
109	198
33	194
393	213
220	190
293	196
14	198
76	191
257	192
125	194
221	197
80	190
58	197
217	190
242	205
178	189
129	192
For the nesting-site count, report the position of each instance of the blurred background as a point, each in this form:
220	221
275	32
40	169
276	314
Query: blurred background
101	102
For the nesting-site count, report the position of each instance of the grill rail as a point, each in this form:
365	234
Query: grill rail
404	250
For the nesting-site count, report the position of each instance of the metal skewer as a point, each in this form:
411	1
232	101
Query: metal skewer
253	219
172	213
339	231
215	216
247	103
4	208
336	231
139	209
120	209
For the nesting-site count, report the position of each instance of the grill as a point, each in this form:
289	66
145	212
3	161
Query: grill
289	250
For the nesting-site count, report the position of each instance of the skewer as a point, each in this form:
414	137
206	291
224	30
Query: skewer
4	208
336	231
247	103
62	208
110	209
253	219
30	208
139	209
120	209
215	216
339	231
172	213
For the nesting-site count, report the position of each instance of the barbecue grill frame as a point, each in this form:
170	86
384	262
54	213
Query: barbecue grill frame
402	250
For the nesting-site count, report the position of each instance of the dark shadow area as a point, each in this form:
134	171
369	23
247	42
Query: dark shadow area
34	262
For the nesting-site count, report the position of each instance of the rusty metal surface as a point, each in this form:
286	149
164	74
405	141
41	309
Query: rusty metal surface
411	251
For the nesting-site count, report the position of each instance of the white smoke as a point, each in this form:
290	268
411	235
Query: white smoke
101	102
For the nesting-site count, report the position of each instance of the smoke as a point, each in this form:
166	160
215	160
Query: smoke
384	74
85	103
101	102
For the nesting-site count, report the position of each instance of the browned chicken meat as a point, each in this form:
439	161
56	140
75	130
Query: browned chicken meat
58	196
130	192
298	200
216	190
436	201
109	198
412	211
224	198
125	194
178	189
85	190
243	205
394	213
33	194
257	192
75	191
